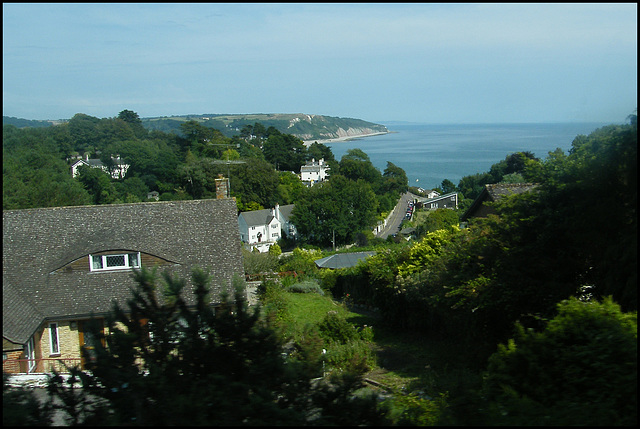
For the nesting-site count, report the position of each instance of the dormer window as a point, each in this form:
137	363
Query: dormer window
120	261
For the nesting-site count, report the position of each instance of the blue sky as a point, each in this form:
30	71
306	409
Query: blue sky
429	63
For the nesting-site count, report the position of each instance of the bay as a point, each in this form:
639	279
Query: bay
430	153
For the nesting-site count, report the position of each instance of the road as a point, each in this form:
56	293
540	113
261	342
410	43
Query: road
397	216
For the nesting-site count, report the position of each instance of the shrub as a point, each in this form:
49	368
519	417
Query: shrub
414	410
305	286
336	328
581	370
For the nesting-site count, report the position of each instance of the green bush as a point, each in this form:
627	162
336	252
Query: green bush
353	356
414	410
348	349
305	286
336	328
274	301
581	370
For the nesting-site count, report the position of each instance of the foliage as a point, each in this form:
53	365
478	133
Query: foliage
193	365
258	263
275	250
435	220
580	370
427	250
306	286
34	173
301	260
285	151
413	410
340	206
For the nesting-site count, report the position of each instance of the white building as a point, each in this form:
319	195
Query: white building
260	229
315	171
118	172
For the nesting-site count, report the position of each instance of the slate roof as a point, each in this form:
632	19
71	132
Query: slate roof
342	260
37	242
494	192
286	211
264	216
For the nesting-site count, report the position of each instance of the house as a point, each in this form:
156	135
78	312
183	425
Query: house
431	194
342	260
492	193
62	265
260	229
118	171
445	201
314	172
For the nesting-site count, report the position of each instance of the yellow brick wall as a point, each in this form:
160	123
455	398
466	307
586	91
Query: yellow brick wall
69	344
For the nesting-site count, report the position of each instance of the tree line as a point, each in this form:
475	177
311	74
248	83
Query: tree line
543	296
261	163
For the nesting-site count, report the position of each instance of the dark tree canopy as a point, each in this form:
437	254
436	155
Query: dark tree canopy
170	360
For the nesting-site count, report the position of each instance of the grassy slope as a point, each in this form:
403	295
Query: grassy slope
405	360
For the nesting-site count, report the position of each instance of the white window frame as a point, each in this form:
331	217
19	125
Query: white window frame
104	261
54	339
30	353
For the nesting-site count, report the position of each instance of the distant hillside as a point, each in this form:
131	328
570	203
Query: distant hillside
303	126
24	123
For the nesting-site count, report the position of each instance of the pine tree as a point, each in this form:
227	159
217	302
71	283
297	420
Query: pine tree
166	362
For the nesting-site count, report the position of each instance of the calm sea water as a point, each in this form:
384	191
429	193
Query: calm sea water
431	153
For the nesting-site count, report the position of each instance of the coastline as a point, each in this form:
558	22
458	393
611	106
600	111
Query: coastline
343	139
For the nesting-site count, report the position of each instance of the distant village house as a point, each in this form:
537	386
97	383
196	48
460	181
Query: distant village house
314	172
261	229
118	170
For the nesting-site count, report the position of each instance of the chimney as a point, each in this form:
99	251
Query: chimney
277	211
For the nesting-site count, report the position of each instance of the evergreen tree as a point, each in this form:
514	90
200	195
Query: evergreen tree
168	362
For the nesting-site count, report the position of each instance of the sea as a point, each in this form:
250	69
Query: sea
431	153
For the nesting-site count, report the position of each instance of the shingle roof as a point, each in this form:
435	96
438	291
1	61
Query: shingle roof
499	190
264	216
286	211
36	242
342	260
494	192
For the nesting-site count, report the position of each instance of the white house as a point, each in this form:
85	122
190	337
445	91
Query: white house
315	171
260	229
432	194
118	172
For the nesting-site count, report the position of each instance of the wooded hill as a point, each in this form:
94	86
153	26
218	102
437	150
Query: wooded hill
303	126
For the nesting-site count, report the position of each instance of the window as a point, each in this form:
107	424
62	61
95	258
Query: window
30	352
121	261
54	344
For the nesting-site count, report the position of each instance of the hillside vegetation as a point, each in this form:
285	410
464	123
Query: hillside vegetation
303	126
528	316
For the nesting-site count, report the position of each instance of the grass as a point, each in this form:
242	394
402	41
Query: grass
405	361
311	308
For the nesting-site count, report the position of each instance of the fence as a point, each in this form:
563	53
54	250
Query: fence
45	365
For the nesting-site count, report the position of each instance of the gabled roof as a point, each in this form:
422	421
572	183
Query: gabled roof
342	260
265	216
494	192
37	242
258	217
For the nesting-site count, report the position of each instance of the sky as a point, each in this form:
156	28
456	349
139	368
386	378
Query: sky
380	62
